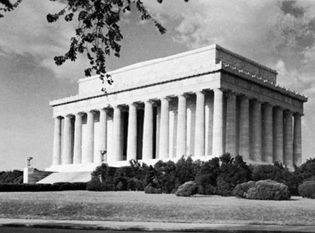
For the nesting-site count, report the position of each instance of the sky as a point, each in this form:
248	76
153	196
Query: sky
279	34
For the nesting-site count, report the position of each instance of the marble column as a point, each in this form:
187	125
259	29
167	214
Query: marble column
57	141
117	136
267	135
218	124
103	134
256	129
89	148
278	135
200	124
288	139
132	133
147	147
297	140
181	127
244	128
231	139
164	128
77	151
67	141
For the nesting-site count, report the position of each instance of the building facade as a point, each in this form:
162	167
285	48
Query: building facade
200	103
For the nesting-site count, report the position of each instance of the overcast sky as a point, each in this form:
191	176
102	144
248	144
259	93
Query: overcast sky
279	34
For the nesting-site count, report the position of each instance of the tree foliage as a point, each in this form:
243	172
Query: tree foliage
98	34
6	6
97	30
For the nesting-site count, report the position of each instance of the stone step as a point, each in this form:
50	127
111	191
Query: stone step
71	177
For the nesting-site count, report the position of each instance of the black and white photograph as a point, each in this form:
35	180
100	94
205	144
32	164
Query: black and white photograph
157	116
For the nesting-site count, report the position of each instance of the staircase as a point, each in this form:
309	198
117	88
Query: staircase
71	177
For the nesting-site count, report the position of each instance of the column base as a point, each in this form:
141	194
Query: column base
73	167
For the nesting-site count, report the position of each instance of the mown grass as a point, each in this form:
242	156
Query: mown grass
137	206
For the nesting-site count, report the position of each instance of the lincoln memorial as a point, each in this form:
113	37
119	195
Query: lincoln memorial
200	103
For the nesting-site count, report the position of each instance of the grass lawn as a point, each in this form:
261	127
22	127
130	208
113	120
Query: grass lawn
137	206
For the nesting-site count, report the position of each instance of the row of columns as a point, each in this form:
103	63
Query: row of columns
71	150
265	132
270	136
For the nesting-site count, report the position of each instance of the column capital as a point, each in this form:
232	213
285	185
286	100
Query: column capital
79	113
184	94
267	104
105	108
92	111
279	107
230	93
59	117
202	91
123	107
118	106
297	114
151	101
70	115
257	101
288	112
133	104
219	89
166	98
244	97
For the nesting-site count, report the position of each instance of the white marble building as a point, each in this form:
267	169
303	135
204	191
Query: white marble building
202	103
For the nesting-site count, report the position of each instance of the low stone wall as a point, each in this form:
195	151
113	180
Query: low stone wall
32	175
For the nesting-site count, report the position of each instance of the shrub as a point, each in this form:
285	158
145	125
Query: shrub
95	185
134	184
307	189
276	172
151	177
106	178
166	175
187	189
102	179
233	171
153	190
207	189
186	170
138	171
241	189
208	173
263	190
306	170
11	177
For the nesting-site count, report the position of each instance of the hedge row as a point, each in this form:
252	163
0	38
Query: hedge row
42	187
11	177
163	176
217	176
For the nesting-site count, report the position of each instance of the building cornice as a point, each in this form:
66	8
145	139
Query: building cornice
261	81
78	98
222	66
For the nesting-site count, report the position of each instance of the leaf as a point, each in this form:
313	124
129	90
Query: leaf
52	18
69	17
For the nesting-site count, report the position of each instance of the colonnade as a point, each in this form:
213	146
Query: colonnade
258	131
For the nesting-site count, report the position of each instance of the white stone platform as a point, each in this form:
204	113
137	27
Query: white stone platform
71	177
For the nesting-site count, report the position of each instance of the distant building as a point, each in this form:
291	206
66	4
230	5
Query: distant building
202	103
